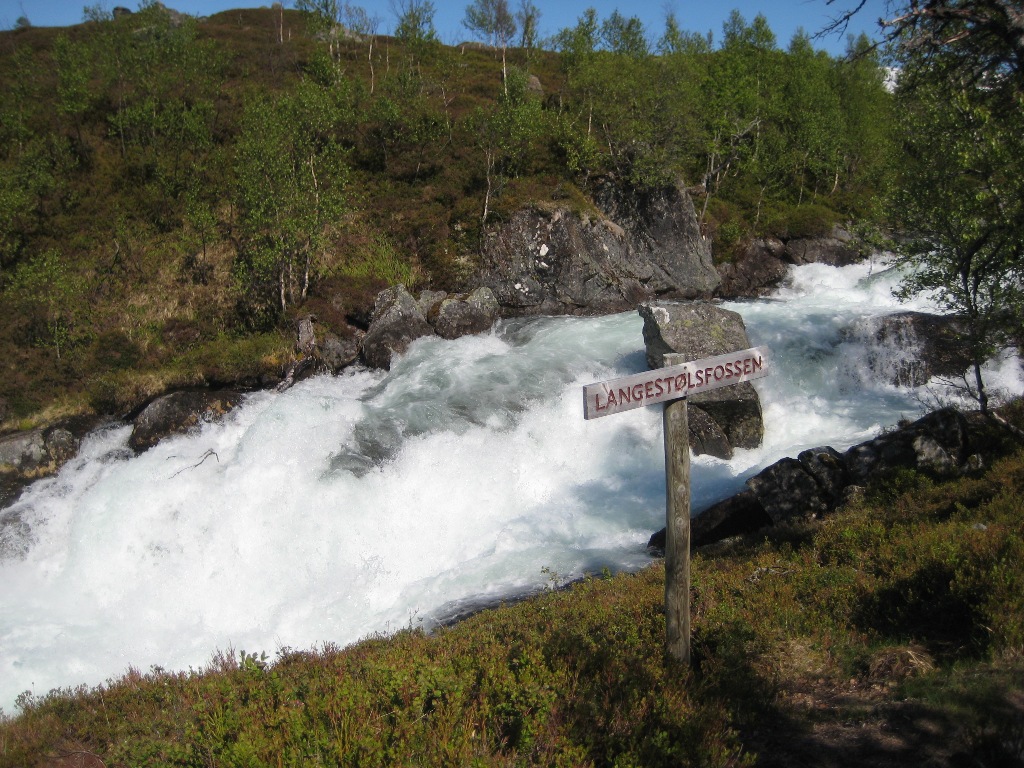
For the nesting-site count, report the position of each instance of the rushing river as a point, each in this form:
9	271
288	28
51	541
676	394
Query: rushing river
369	502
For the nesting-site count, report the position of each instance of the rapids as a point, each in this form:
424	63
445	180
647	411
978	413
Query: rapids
371	501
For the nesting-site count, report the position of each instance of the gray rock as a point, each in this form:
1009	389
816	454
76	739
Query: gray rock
24	451
463	317
179	412
807	486
909	348
556	261
305	338
737	410
429	301
838	250
336	353
828	468
756	271
821	479
698	330
706	437
37	452
396	322
787	490
937	443
737	515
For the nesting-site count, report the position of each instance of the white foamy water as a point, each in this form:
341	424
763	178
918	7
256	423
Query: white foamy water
362	503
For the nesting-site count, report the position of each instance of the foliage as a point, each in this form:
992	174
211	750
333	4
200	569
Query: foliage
961	196
415	23
291	187
209	169
492	20
49	296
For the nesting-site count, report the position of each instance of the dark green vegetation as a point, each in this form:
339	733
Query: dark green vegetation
174	192
960	198
891	630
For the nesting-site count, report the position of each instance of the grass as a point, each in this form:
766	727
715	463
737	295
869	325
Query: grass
890	631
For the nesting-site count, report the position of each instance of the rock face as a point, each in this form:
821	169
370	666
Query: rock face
806	486
763	264
559	262
179	412
836	251
37	452
817	481
399	319
720	419
28	456
909	348
756	271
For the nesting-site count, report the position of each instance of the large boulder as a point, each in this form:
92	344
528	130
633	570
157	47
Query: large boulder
333	352
909	348
734	516
938	443
806	486
838	250
396	322
30	455
757	270
457	317
640	246
698	330
818	480
37	452
179	412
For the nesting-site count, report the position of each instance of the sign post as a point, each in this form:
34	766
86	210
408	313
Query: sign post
671	385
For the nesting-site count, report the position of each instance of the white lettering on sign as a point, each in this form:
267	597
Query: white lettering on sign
673	382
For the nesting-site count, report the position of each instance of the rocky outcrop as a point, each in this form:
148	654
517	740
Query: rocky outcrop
30	455
937	444
837	250
639	247
454	317
399	319
37	452
909	348
396	322
756	271
179	412
818	480
806	486
720	419
761	266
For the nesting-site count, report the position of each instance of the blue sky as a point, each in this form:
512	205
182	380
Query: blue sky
784	16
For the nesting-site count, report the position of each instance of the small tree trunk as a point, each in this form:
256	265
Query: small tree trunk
982	394
305	275
487	194
281	287
504	72
370	58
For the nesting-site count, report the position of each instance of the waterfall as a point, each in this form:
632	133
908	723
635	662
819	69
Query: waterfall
372	501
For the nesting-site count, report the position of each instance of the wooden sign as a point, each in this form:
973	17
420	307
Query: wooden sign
671	385
663	384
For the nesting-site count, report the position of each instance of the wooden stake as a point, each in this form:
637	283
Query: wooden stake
677	529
